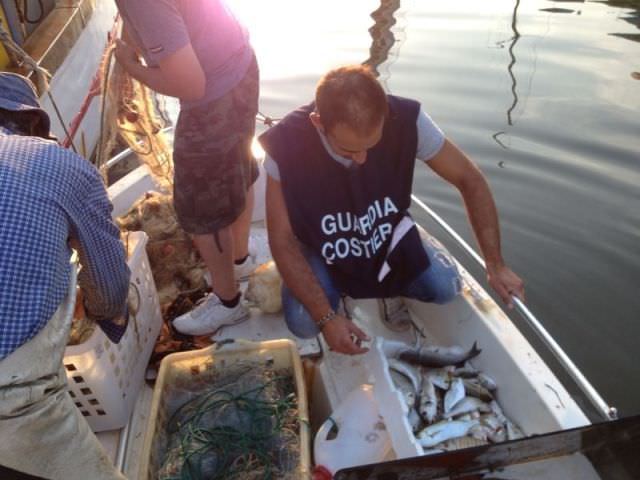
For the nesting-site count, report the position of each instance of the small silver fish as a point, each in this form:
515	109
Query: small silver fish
487	382
496	432
437	356
481	432
405	387
406	370
475	389
428	401
462	442
466	371
454	394
443	431
513	431
414	419
467	405
432	451
440	377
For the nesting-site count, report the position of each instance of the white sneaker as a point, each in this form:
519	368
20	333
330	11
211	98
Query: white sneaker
395	314
209	316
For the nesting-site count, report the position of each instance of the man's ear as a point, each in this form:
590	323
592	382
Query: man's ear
315	119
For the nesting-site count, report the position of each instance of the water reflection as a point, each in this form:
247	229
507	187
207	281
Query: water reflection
514	83
382	36
632	17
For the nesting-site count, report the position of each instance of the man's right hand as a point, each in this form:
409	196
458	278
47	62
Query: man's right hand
343	336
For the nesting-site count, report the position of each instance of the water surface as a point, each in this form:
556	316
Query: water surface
544	96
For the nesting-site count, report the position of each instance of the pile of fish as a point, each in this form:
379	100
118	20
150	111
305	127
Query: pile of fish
451	404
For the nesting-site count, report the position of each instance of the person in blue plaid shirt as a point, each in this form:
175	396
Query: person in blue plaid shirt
51	200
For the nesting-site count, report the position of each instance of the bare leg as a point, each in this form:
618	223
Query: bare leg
234	241
241	228
219	264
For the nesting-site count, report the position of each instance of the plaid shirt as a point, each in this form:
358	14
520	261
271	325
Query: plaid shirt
48	195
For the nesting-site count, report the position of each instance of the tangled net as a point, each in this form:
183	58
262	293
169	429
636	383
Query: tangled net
243	426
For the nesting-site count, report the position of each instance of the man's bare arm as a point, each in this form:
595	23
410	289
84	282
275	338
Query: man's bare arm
453	165
299	277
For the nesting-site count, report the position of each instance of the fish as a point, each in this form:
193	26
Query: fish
440	377
454	394
467	405
443	431
513	431
428	406
393	348
432	451
462	442
414	419
487	382
475	389
480	432
405	387
496	430
407	371
437	356
466	371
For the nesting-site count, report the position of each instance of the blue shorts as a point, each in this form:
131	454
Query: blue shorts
440	283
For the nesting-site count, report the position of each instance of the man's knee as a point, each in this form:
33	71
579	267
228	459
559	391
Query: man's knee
447	289
297	317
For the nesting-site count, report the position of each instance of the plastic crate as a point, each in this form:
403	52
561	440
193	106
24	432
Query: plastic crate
103	377
180	368
391	404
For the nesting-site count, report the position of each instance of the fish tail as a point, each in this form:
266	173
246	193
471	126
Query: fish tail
475	351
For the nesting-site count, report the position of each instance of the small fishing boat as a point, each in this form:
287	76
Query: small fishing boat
528	391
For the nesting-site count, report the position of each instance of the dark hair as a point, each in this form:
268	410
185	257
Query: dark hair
351	95
22	123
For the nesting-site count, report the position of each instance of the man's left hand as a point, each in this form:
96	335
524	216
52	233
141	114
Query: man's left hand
506	283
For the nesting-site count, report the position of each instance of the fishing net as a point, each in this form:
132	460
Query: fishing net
241	424
136	113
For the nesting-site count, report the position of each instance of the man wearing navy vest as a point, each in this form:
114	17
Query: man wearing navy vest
340	172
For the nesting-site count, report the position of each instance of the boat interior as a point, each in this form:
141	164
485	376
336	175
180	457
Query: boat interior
529	393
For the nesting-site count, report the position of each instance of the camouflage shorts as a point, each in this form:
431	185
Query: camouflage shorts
214	166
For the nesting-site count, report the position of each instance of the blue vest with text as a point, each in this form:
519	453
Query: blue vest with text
348	214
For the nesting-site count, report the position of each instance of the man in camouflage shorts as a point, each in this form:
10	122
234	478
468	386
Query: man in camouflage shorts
198	52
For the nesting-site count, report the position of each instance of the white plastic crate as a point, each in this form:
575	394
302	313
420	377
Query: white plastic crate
104	378
391	404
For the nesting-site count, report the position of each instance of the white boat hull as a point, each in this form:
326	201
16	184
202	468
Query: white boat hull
72	80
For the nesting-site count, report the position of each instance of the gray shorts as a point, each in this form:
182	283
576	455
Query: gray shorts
213	163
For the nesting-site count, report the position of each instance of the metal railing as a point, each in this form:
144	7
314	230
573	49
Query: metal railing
607	411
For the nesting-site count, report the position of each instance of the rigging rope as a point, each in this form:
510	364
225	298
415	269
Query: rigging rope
23	59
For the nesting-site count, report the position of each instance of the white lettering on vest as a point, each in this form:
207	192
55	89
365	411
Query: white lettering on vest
367	225
328	257
328	224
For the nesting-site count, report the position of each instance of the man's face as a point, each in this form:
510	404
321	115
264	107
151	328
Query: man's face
349	143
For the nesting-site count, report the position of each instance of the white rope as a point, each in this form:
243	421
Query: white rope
23	59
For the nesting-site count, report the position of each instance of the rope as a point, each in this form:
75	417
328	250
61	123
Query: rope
23	59
103	105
